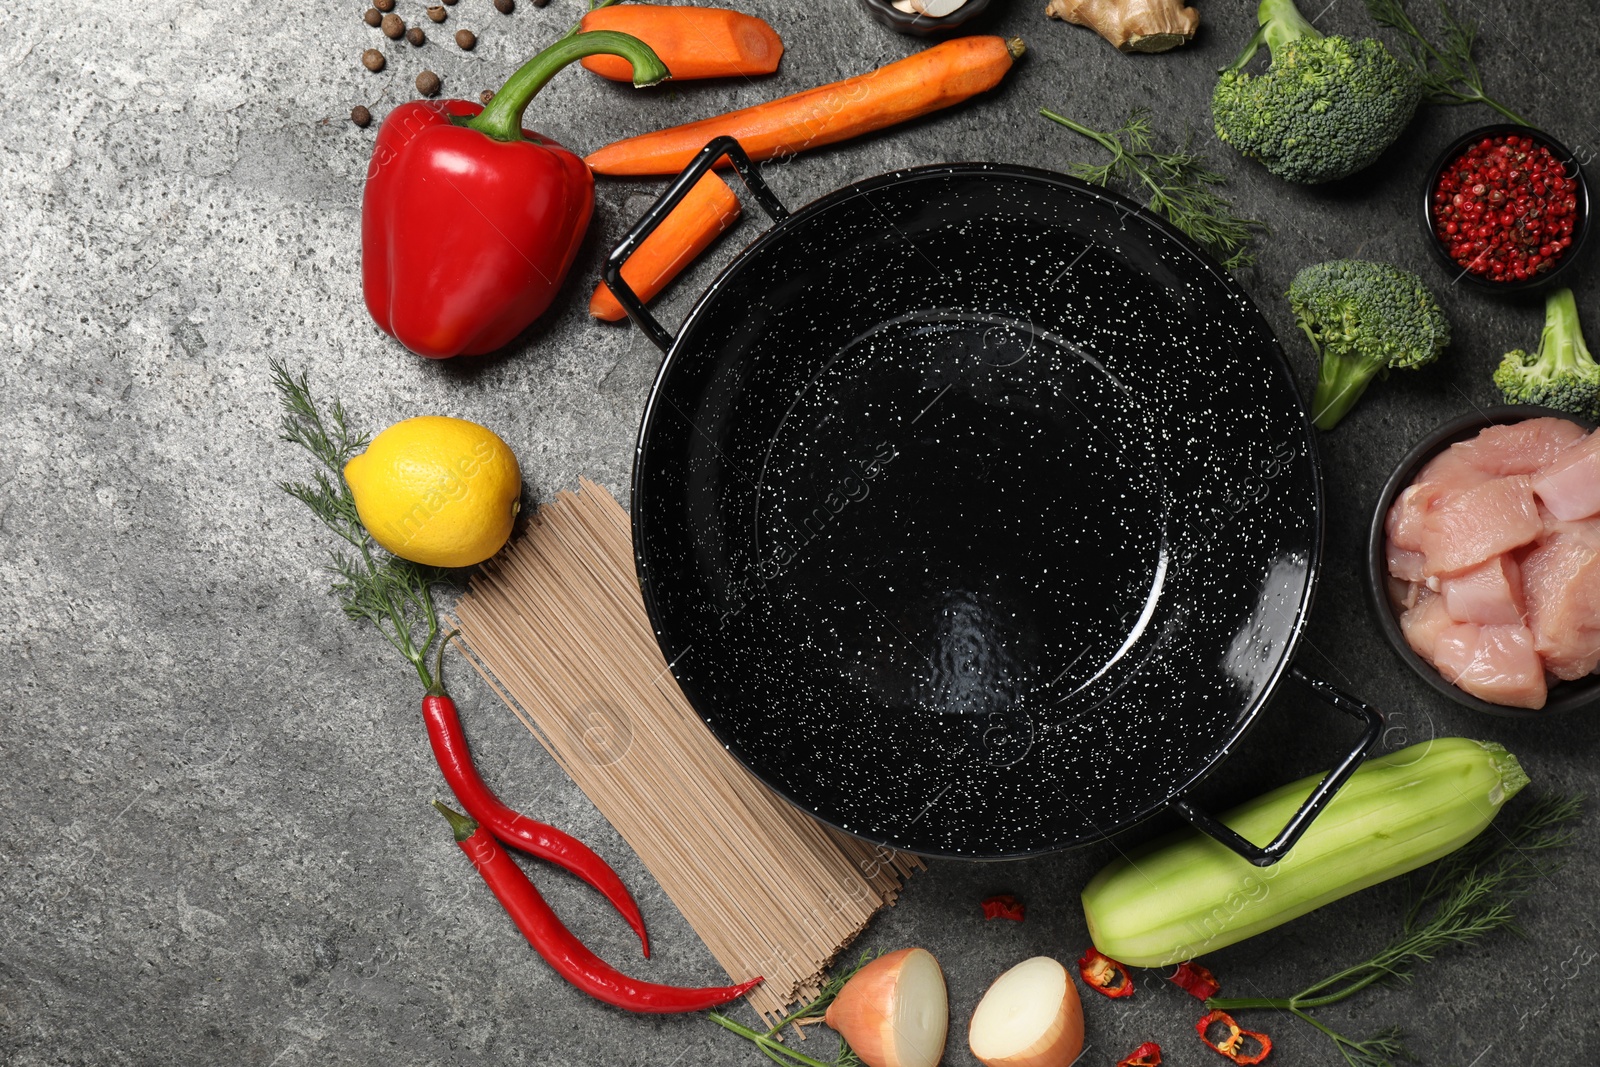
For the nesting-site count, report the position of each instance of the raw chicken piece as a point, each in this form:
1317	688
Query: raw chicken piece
1404	524
1451	470
1570	487
1493	663
1424	622
1407	566
1447	472
1488	594
1403	595
1525	447
1466	527
1561	579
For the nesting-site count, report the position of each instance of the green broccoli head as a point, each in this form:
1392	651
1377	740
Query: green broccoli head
1561	374
1324	109
1364	319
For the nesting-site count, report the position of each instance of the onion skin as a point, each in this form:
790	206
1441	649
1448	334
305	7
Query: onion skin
863	1012
1058	1046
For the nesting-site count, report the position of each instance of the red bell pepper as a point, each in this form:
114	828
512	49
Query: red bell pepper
469	223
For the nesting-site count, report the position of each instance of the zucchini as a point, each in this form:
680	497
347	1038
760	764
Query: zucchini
1187	894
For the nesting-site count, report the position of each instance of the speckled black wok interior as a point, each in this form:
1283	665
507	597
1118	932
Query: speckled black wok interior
976	511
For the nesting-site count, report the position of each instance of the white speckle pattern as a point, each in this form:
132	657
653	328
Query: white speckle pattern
976	511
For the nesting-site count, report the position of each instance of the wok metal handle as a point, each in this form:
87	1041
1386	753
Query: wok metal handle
708	157
1266	856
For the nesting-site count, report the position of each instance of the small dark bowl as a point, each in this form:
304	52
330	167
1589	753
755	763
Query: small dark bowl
1580	228
922	25
1564	696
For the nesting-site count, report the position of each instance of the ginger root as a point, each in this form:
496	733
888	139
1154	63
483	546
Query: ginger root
1132	25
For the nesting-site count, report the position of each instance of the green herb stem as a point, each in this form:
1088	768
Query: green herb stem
1181	187
393	594
767	1042
1448	72
1463	897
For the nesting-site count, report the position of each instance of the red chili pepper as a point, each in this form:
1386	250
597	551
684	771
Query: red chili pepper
469	223
1195	980
449	743
1146	1055
560	948
1233	1045
1004	906
1105	975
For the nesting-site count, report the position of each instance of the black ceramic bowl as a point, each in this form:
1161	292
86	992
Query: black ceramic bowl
1564	696
922	25
1580	229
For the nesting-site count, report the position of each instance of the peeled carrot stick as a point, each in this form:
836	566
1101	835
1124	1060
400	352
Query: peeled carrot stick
694	42
705	212
936	78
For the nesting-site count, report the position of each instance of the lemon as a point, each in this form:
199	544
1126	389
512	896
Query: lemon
437	490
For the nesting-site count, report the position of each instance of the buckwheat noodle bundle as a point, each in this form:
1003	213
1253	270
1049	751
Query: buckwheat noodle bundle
556	626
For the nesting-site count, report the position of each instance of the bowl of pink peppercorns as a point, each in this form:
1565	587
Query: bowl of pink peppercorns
1506	208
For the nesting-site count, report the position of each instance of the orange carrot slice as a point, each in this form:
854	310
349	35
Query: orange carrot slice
708	210
694	42
935	78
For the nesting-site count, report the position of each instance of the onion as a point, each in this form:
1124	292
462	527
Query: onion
1030	1017
894	1012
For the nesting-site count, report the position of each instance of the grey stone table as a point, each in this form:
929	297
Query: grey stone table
215	844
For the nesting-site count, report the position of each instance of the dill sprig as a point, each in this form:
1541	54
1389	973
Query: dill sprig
1182	188
1448	73
1459	899
393	594
776	1051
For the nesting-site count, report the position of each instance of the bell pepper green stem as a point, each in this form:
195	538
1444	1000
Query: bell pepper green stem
502	119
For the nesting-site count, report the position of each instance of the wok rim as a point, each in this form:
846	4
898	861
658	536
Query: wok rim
1203	259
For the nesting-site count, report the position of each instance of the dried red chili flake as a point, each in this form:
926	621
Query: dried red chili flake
1105	975
1233	1041
1004	906
1146	1055
1505	208
1195	980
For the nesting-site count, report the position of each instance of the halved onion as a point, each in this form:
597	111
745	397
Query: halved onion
894	1012
1030	1017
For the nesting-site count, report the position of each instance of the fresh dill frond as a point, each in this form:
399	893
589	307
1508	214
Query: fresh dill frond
393	594
774	1049
1455	901
1182	188
1448	73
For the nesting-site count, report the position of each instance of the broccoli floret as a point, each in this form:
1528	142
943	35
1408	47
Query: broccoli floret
1561	374
1325	108
1364	319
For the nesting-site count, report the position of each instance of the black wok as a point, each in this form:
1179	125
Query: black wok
976	511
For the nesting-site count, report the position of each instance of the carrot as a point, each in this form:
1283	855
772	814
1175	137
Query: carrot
709	209
694	42
936	78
